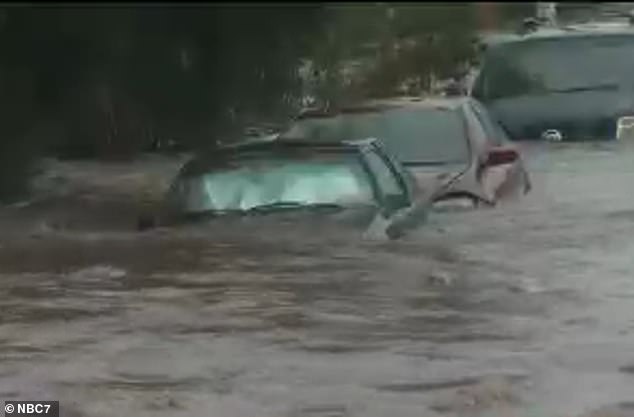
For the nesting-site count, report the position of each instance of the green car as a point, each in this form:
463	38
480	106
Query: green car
351	183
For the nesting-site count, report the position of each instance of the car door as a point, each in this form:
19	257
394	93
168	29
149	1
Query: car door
391	191
499	180
400	213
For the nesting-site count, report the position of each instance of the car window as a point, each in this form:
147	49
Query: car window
391	191
494	132
558	65
478	135
247	182
411	134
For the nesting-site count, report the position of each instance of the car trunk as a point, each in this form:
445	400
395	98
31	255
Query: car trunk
431	178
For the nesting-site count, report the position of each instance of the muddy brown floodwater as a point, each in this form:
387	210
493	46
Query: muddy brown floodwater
526	310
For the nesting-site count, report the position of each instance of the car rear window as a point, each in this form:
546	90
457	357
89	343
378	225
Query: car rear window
255	179
413	135
555	65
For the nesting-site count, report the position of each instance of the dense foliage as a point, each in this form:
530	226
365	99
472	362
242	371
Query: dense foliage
112	81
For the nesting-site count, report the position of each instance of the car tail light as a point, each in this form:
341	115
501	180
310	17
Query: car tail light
625	128
501	156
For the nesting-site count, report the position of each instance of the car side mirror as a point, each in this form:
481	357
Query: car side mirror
501	155
409	218
528	25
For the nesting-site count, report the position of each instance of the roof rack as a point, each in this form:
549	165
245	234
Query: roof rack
620	13
531	27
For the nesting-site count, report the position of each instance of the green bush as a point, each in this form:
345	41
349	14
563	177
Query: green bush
18	150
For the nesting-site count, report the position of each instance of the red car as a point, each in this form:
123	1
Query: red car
449	145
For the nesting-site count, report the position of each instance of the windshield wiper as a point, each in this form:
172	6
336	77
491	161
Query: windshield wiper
597	87
264	208
285	205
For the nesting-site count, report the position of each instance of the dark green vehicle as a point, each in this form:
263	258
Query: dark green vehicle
570	84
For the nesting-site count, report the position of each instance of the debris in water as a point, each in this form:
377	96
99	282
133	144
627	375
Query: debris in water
323	411
490	394
439	278
627	369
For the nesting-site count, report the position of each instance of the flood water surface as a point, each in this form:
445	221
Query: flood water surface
522	310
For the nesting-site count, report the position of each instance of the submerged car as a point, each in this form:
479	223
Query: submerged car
449	145
566	84
355	183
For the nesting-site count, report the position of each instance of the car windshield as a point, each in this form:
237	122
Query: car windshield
559	66
413	135
249	181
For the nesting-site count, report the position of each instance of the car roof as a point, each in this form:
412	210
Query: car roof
247	142
290	143
430	102
202	161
